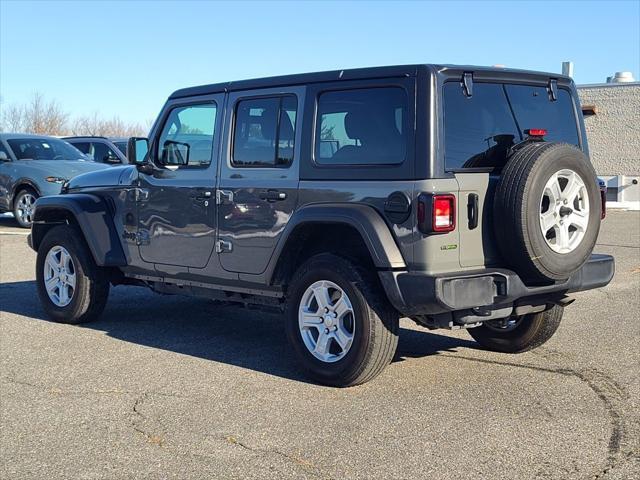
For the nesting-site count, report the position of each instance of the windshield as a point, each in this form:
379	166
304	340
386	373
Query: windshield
44	149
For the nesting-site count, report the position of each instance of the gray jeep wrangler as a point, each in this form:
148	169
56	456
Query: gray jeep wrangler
460	197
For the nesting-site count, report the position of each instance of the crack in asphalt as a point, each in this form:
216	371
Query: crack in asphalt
299	461
159	439
604	386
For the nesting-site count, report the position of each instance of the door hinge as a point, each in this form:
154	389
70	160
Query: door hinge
467	84
141	194
223	196
223	246
553	89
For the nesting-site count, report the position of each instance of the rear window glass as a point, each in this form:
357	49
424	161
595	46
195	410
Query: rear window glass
534	109
362	127
479	130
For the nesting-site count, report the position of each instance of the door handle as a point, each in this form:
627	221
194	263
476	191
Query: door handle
272	195
203	196
472	210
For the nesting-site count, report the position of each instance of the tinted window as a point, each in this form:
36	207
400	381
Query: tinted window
479	129
122	146
187	136
102	153
82	146
44	149
534	109
264	132
361	127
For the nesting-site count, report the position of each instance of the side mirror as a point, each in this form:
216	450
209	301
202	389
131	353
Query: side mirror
138	154
137	150
3	157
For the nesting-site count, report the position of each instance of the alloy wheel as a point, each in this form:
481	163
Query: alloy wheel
564	211
326	320
59	276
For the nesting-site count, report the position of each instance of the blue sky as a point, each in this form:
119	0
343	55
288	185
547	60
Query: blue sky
125	57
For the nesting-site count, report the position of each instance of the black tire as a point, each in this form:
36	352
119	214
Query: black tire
517	208
16	204
375	336
92	283
530	332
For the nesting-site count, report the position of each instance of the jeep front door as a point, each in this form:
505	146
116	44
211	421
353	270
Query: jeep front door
258	186
176	203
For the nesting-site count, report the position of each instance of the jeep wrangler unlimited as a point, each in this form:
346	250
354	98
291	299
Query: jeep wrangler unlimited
461	197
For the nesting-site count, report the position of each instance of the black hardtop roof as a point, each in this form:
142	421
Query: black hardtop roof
351	74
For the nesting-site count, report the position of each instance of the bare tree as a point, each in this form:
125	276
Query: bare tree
48	118
115	127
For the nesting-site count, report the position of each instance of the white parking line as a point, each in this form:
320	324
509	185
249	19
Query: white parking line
4	232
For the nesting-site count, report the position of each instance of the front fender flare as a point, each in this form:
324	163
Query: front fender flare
92	215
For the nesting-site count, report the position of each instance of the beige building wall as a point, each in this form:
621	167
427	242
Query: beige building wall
613	132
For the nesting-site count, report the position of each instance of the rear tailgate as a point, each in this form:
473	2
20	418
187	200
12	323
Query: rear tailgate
479	131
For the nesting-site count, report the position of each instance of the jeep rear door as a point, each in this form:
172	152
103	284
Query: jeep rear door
258	186
176	204
479	131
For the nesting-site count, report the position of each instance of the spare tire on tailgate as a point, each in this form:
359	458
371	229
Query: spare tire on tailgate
547	211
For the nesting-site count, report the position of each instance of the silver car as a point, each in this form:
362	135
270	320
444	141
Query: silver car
33	166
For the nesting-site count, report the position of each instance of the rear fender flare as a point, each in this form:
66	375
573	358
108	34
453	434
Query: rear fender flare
92	215
374	231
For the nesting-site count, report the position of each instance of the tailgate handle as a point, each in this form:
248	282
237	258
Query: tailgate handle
472	210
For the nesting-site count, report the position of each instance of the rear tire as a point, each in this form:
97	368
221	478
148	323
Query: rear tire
526	333
64	260
353	338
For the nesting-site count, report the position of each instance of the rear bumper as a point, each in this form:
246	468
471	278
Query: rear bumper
415	293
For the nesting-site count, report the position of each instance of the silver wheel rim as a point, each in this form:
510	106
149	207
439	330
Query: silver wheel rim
25	207
59	276
564	211
504	324
326	321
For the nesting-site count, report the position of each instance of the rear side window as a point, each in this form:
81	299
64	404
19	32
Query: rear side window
361	127
264	132
479	130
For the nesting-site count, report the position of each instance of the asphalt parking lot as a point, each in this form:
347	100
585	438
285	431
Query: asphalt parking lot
171	387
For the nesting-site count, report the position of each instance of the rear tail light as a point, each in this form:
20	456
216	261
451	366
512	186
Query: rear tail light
436	213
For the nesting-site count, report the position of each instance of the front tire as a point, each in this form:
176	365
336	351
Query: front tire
24	207
518	334
342	329
71	287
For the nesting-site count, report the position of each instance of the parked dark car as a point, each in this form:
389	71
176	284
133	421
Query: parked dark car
111	150
457	196
32	166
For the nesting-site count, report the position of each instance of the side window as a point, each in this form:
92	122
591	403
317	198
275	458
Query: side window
264	132
83	147
534	109
102	153
187	136
5	151
362	127
478	130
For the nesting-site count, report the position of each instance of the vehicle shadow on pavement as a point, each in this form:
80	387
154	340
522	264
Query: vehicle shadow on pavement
233	335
